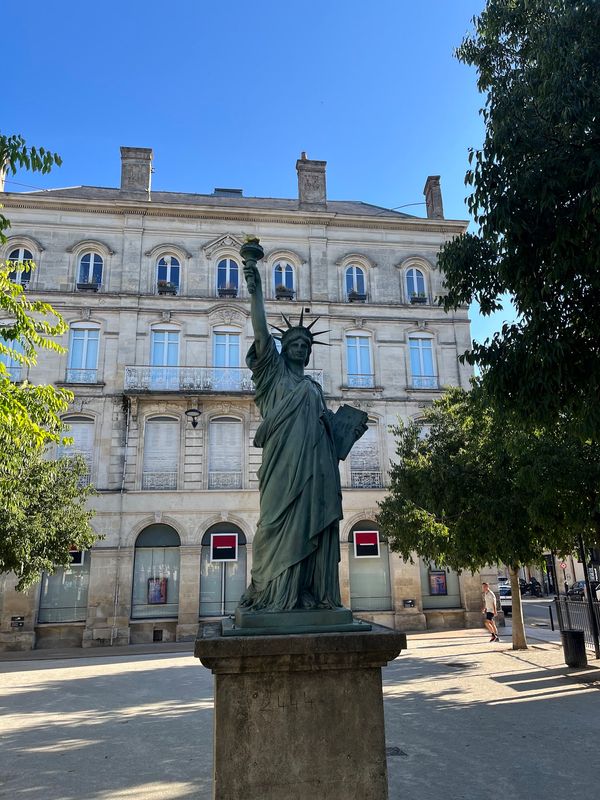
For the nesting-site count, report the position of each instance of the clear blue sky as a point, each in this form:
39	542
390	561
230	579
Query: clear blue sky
230	93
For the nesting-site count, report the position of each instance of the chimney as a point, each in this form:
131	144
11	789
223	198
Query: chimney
433	197
312	192
136	171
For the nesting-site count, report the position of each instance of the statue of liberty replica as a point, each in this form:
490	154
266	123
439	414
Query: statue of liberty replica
296	547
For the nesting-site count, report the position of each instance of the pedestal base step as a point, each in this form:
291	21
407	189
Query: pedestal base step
319	620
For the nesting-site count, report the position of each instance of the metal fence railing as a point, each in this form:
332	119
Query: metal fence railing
576	615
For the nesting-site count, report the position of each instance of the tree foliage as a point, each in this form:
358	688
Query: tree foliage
480	489
42	504
536	203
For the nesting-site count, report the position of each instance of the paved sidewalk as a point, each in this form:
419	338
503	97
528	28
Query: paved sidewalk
464	719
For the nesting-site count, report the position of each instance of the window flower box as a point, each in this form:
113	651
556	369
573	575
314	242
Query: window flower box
88	286
418	299
229	290
283	293
356	297
166	287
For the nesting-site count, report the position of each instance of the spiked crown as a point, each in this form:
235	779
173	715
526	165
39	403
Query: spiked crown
298	330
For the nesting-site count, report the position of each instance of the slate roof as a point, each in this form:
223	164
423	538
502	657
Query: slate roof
345	207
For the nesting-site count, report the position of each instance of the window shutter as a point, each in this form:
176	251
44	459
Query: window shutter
365	467
161	454
225	454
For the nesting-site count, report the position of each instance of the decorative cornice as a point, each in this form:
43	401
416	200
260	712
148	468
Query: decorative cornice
250	215
226	242
90	243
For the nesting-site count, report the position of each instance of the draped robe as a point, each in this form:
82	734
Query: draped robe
296	547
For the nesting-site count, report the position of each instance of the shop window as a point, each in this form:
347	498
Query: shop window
222	569
156	573
64	593
370	585
439	586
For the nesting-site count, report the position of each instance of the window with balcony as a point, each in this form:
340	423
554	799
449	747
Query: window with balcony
82	432
416	289
167	275
164	359
161	454
365	461
225	453
358	354
83	353
64	594
227	277
222	569
422	366
20	259
355	284
283	280
156	573
89	275
226	374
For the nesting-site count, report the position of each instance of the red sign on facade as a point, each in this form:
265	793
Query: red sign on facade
366	544
223	546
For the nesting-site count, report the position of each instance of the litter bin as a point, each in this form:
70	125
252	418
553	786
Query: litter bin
573	643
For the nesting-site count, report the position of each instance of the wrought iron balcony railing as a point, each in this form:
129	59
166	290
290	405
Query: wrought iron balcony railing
159	480
81	375
425	382
195	379
364	381
366	480
224	480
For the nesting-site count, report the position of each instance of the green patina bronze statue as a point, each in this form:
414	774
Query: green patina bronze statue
296	547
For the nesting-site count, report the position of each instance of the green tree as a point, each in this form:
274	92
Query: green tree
536	203
42	511
480	490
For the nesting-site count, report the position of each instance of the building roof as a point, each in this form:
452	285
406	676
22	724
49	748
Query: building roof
99	193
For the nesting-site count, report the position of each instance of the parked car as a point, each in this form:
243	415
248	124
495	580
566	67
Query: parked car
577	590
505	599
504	590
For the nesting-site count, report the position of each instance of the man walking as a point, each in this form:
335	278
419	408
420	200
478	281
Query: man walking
489	609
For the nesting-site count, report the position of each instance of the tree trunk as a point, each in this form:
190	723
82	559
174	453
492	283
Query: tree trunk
519	640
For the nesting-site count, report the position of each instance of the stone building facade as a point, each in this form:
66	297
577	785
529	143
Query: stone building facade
151	286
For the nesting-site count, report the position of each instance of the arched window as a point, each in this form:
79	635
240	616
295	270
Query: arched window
82	432
156	573
283	279
161	453
365	460
227	277
20	259
415	285
89	274
358	356
225	453
164	357
222	569
422	363
64	593
370	586
167	275
84	340
355	284
439	586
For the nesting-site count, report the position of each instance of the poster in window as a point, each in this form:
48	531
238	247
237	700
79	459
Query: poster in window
157	591
223	546
437	582
366	544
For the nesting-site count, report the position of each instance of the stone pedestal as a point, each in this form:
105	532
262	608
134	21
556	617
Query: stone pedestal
299	717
